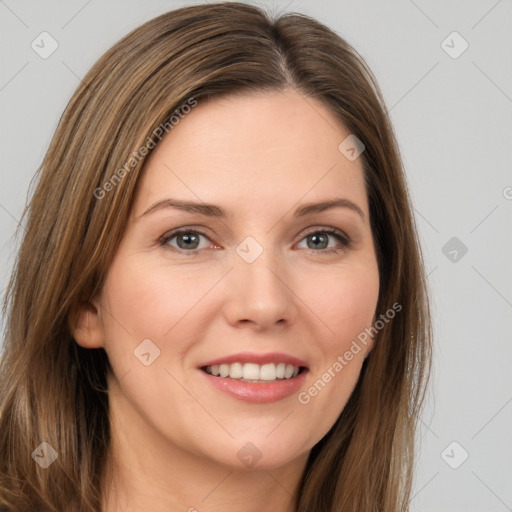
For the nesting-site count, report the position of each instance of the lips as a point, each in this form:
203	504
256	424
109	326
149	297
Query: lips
256	391
260	392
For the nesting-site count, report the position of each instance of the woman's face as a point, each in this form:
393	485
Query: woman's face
260	283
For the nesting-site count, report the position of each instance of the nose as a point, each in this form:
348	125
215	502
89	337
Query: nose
260	294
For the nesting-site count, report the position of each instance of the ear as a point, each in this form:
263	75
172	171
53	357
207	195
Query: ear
86	325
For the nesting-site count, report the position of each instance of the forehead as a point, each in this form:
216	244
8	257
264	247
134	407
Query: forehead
257	150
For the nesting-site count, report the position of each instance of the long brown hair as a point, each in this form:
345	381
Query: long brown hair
52	390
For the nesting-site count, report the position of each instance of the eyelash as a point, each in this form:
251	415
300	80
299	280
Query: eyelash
342	238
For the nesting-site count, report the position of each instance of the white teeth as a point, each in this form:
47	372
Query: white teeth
280	368
268	372
236	371
253	371
224	370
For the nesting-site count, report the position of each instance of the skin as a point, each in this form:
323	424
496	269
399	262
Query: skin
175	437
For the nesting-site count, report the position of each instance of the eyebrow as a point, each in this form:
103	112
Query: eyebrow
211	210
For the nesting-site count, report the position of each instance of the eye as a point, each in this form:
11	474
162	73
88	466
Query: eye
320	240
187	241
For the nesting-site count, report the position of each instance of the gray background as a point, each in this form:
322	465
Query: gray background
452	117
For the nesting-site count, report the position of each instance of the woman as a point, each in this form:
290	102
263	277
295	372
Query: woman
219	300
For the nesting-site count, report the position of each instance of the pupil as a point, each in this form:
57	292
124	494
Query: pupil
187	237
315	237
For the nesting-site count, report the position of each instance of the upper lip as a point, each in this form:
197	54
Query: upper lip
258	358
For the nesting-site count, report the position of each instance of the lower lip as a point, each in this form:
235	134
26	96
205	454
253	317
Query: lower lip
258	393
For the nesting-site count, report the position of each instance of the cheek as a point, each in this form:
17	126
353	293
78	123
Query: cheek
346	307
144	300
346	304
137	306
147	299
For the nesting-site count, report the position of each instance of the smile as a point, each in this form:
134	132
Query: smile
253	372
